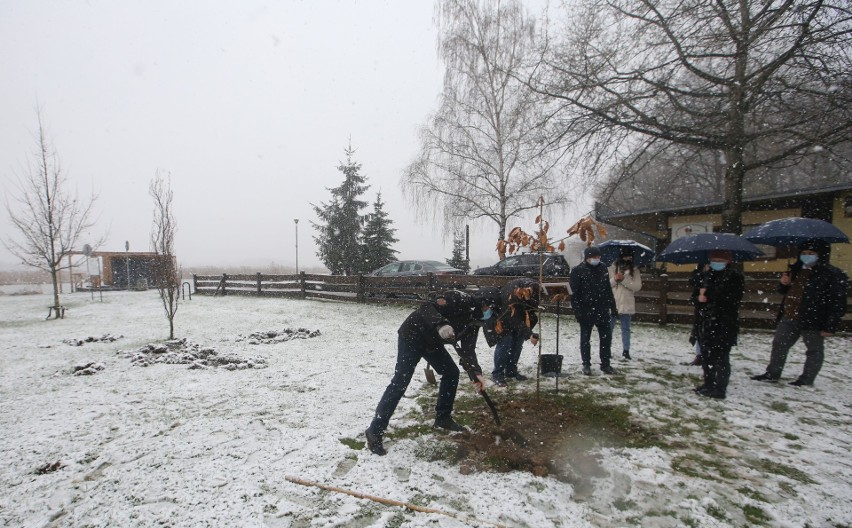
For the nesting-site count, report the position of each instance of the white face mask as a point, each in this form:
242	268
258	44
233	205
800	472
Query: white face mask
593	261
808	260
718	266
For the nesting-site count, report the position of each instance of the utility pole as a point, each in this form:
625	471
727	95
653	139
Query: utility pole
127	262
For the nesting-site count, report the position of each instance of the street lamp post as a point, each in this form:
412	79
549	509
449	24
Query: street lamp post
296	222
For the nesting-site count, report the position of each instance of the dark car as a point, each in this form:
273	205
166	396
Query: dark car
406	268
526	265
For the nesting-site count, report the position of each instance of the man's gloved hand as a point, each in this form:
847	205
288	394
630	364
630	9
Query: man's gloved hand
534	339
446	332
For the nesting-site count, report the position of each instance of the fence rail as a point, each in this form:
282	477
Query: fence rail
662	300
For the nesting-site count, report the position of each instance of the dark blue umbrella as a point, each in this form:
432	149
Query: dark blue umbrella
696	248
611	249
794	231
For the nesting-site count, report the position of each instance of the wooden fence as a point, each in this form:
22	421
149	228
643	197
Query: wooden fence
662	300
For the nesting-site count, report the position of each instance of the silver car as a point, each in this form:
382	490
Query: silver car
407	268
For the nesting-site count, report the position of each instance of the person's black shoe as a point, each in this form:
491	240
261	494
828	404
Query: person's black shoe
626	354
587	370
499	380
801	383
608	370
764	377
519	377
715	394
375	444
701	389
696	361
448	423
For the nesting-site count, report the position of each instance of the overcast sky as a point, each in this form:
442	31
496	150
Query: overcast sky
249	105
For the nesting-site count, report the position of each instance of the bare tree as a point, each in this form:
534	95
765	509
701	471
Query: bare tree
761	83
166	276
48	217
481	153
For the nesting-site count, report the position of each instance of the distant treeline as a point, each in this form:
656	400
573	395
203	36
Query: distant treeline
270	269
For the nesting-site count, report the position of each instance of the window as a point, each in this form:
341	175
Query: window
847	207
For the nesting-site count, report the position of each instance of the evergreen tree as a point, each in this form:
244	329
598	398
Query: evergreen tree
378	239
458	260
341	222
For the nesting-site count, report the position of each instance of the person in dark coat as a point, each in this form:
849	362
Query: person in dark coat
518	315
594	306
696	280
452	316
720	296
813	305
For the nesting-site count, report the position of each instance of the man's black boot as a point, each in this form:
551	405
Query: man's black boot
764	377
607	369
626	354
447	422
587	370
375	443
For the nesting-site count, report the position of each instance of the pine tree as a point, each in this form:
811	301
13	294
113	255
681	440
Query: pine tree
341	222
458	260
378	239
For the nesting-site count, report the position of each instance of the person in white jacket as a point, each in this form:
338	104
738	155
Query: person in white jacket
625	281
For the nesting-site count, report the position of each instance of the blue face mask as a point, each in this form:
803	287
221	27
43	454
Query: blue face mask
486	315
808	260
594	261
718	266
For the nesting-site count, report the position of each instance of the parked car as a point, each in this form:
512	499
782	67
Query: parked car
526	265
405	268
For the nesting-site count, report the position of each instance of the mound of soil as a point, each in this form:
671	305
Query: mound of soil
276	336
538	435
106	338
181	351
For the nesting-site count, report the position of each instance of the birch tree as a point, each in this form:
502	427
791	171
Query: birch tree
481	153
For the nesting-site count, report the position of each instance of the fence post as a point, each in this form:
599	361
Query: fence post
431	284
195	282
258	283
664	299
302	283
224	283
360	294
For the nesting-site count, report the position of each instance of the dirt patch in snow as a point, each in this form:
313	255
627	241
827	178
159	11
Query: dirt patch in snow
278	336
183	352
546	436
106	338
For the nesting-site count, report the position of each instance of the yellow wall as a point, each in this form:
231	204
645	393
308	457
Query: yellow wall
841	254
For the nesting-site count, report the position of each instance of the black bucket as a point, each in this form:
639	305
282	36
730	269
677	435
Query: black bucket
551	364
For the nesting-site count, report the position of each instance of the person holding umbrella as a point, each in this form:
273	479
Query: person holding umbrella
814	303
625	281
720	297
452	315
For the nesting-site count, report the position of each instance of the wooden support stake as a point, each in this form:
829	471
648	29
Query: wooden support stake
391	502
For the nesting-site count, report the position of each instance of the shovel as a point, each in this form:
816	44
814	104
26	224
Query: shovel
485	396
430	375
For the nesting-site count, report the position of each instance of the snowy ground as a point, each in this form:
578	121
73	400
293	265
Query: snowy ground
170	445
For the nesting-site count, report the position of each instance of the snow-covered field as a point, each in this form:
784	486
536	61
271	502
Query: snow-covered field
169	445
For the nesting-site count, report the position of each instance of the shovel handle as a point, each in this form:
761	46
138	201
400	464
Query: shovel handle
491	406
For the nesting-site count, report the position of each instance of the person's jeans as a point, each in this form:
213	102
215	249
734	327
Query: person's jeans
624	320
786	334
408	355
507	353
604	335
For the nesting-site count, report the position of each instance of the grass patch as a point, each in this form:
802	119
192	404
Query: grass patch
776	468
693	465
623	505
352	443
791	436
717	512
752	494
755	515
779	406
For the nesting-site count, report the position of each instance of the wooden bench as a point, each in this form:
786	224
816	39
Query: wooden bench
60	311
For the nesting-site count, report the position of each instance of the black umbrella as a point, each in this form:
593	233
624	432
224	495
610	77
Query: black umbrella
696	248
611	249
794	231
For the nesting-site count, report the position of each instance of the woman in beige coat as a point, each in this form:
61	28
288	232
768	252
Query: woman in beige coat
625	281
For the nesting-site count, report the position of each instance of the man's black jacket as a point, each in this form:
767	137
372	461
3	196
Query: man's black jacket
591	293
824	302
